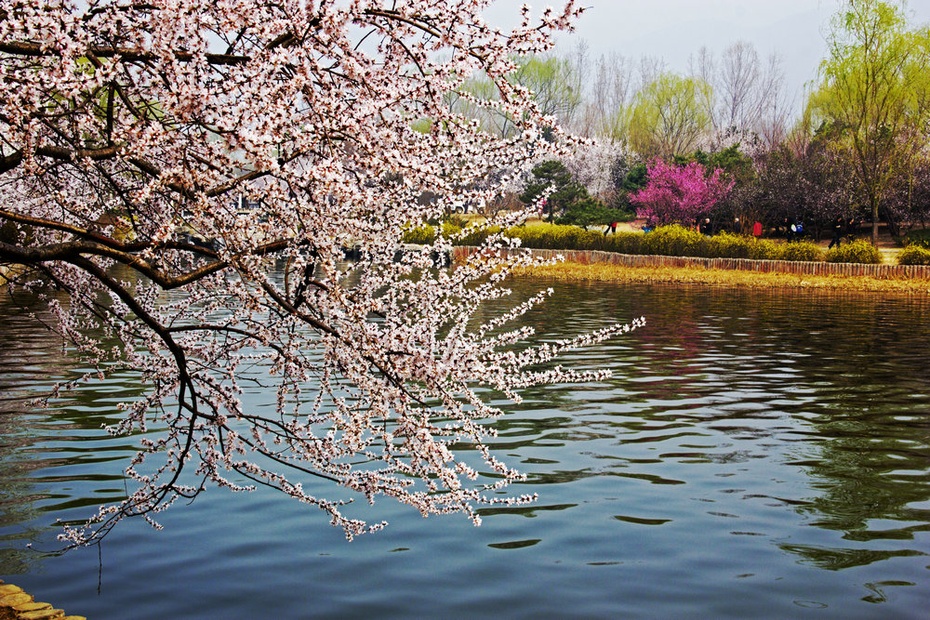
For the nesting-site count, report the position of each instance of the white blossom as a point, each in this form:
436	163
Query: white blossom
132	133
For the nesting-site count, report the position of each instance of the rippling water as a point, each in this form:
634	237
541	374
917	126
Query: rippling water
758	454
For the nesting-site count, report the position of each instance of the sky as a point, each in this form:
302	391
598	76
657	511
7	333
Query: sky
674	30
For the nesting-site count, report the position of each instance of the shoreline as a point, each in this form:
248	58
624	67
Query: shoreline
15	604
603	272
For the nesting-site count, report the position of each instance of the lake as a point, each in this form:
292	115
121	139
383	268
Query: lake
759	454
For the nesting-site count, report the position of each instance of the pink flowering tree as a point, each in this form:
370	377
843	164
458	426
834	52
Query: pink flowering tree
679	194
188	175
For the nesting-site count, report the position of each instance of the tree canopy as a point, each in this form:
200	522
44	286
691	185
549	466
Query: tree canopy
669	116
128	134
875	95
679	194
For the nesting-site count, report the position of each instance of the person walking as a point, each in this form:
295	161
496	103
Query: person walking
838	227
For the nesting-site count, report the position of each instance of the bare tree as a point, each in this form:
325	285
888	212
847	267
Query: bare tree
704	67
650	68
774	107
738	92
749	104
609	97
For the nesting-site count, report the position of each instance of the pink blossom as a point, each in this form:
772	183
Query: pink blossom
679	194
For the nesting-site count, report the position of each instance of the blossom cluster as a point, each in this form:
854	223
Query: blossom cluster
679	194
191	174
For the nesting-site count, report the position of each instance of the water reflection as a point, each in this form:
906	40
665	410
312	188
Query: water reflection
55	464
834	385
756	454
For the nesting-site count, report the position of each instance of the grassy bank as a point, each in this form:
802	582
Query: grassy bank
719	277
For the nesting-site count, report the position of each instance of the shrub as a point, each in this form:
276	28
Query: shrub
671	240
914	255
801	251
452	226
477	235
589	211
421	235
426	234
626	243
555	237
920	238
765	249
674	240
728	245
859	251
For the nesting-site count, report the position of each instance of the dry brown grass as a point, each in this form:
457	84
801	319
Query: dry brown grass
720	277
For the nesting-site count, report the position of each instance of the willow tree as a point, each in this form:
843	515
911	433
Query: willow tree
555	88
128	130
669	116
873	95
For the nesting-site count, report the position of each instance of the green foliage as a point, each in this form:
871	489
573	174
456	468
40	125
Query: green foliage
914	255
730	245
551	174
569	199
589	211
736	164
765	249
636	178
669	115
555	237
420	235
451	227
859	251
666	241
422	125
919	238
873	95
624	243
672	240
453	224
675	240
554	84
626	177
801	251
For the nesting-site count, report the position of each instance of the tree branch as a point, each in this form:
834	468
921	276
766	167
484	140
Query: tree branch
127	54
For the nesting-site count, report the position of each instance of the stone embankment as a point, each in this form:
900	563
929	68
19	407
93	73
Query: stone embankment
591	257
18	605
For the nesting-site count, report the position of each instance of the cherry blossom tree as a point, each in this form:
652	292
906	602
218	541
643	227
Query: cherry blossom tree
131	135
592	163
679	194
